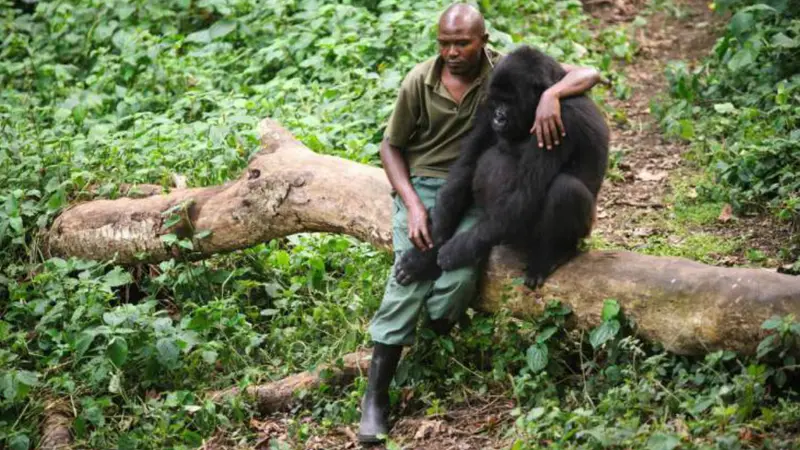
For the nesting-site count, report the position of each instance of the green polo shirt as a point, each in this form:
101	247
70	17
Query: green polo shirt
427	124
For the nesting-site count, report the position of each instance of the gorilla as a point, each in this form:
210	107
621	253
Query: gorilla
540	202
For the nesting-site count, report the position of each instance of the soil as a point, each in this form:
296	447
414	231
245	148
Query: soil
629	209
649	166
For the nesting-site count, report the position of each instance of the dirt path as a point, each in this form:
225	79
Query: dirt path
636	210
629	206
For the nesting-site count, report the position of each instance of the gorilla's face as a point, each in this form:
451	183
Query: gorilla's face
512	107
513	96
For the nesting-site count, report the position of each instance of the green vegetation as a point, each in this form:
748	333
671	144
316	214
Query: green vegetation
740	109
96	93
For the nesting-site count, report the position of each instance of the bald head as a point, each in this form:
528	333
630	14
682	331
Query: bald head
462	36
463	18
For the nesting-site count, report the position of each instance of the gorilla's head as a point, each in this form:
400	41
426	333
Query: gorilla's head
515	87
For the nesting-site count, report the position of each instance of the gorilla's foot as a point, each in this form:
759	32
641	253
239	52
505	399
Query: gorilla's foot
537	272
415	265
535	281
456	253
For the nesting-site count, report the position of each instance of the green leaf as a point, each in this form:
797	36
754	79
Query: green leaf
28	378
765	346
772	323
221	29
203	234
686	129
282	259
661	441
741	59
114	318
610	309
741	23
784	41
199	37
536	357
724	108
16	224
83	343
192	438
780	378
604	333
169	239
116	278
448	345
19	442
172	221
546	334
168	351
118	351
210	356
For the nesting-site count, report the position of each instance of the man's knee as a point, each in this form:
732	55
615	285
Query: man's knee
452	293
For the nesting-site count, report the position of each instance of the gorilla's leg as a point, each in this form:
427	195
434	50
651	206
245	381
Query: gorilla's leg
565	219
452	202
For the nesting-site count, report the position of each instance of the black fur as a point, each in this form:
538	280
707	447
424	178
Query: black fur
536	200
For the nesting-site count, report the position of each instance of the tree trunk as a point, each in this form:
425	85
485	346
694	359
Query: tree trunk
690	308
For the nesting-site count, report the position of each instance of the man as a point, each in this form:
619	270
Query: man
434	109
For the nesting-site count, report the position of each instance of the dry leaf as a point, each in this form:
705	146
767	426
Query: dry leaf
727	213
646	175
427	428
179	181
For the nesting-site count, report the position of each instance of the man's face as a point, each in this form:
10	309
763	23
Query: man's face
460	48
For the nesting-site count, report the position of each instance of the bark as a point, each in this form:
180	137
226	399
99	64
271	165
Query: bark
690	308
279	395
56	426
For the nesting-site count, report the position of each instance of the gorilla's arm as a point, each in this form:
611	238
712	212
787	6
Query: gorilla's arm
456	195
503	220
453	200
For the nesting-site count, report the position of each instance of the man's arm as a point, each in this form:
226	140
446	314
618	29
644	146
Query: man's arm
548	125
394	164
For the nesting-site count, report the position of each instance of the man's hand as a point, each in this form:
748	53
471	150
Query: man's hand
548	126
418	231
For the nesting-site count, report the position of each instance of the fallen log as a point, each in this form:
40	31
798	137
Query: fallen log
279	395
56	426
690	308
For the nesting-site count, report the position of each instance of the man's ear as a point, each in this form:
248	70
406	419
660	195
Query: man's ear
485	38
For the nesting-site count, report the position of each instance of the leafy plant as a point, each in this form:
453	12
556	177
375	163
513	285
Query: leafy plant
739	109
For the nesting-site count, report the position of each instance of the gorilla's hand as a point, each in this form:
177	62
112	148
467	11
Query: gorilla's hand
416	265
457	252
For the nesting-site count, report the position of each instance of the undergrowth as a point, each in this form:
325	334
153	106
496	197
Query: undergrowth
739	110
97	93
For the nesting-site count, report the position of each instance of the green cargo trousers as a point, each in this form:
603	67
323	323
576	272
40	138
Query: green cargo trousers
446	297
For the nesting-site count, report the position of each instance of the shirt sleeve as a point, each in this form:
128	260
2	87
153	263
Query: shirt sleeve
406	112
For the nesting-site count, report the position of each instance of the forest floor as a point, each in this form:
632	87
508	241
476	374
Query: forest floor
648	201
645	206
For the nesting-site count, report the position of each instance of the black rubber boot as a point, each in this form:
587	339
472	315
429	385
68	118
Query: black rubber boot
375	404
